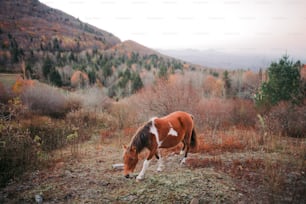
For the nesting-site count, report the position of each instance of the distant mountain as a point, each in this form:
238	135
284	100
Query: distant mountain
215	59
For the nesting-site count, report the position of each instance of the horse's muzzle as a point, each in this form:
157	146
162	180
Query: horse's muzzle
127	176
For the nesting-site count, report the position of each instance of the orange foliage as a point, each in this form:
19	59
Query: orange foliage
79	79
250	79
303	72
21	84
213	86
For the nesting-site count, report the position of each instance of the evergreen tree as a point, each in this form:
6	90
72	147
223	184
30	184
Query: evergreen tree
227	83
92	77
163	72
136	83
55	78
47	67
284	83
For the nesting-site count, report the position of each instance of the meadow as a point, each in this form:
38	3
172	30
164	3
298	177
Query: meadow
61	144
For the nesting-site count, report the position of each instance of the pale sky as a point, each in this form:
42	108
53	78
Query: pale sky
244	26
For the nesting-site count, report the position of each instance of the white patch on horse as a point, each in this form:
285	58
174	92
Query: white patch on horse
154	131
172	132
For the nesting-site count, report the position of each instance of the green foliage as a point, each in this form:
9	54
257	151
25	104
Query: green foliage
284	83
55	78
227	83
136	83
163	72
92	77
48	65
51	73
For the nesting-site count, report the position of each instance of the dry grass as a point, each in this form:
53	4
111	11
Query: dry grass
276	167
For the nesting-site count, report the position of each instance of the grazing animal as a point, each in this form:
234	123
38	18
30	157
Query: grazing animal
164	132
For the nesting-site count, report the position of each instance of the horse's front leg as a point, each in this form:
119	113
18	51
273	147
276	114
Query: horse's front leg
160	161
145	165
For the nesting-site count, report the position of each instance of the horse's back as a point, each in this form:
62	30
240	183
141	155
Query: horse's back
179	118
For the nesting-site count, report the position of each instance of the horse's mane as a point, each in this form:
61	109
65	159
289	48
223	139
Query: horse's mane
141	139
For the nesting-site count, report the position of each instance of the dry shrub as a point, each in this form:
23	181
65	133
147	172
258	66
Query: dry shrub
93	98
219	143
218	113
168	96
18	151
287	119
47	100
213	113
243	113
204	163
4	95
52	133
125	114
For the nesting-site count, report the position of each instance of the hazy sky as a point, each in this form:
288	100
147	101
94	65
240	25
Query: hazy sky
247	26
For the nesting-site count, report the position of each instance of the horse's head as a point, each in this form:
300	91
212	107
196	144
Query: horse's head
130	159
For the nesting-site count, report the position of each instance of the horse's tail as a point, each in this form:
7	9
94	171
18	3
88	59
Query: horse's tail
194	140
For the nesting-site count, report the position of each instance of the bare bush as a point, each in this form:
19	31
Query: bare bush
93	98
4	95
168	96
287	119
216	113
18	151
46	100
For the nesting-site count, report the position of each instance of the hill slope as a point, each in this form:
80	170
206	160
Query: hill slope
37	26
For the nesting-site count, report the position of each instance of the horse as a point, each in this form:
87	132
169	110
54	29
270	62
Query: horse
157	133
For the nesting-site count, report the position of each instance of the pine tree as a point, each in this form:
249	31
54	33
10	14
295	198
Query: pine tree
284	83
227	83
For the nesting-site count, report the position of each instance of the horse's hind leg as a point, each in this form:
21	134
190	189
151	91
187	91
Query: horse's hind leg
185	156
183	149
186	142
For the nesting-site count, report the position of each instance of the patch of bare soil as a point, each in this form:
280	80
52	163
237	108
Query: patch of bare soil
90	178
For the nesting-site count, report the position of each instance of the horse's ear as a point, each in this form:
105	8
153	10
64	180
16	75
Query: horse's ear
133	148
124	147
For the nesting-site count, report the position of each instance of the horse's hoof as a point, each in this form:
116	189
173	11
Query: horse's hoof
183	161
139	178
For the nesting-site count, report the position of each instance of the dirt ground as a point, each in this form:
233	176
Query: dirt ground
230	177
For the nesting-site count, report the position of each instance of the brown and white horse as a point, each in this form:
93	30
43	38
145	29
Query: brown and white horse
158	133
